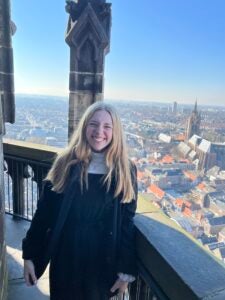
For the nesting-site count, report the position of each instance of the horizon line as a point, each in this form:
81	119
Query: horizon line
168	102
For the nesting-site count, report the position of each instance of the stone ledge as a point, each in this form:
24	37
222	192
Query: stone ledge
32	151
179	265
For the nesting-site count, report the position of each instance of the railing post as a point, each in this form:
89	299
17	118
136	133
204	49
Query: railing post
39	174
140	290
16	171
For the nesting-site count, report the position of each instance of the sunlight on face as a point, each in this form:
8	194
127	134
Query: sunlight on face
99	130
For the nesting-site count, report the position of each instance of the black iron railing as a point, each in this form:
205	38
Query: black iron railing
145	287
26	165
23	184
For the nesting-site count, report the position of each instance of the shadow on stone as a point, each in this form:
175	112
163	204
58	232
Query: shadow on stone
17	289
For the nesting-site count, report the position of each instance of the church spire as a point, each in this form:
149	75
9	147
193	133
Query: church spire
193	124
196	106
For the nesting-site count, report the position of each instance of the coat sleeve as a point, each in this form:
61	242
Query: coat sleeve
40	223
127	252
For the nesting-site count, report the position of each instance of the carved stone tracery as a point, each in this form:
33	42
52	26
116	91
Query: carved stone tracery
88	35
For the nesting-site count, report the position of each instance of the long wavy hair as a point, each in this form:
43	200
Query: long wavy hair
78	152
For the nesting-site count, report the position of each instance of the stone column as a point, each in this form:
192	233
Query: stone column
7	28
7	114
88	36
3	268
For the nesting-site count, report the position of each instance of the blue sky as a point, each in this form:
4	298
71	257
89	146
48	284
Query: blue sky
161	50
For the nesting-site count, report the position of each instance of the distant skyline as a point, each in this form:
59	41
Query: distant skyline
161	50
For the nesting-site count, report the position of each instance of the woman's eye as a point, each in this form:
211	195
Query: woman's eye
93	124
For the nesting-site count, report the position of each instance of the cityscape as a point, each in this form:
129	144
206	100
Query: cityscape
179	151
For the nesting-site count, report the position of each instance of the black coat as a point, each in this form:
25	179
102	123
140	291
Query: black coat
121	233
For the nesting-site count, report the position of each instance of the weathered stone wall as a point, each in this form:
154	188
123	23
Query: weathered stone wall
3	267
7	114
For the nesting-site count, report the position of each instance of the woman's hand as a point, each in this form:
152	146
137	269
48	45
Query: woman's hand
119	285
29	273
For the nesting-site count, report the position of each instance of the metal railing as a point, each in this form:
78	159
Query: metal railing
25	165
145	287
23	184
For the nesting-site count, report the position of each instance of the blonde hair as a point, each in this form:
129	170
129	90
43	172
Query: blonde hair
78	151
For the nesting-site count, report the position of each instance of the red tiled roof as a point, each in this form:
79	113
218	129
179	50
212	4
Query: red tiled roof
184	160
179	137
190	175
201	186
187	212
187	203
140	175
179	202
167	159
156	191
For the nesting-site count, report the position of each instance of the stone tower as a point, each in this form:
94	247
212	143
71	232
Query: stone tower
174	108
7	114
88	36
193	124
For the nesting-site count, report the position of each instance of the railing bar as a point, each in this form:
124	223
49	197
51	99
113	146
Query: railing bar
27	187
37	193
139	291
21	186
151	294
22	204
9	198
151	282
146	294
42	177
13	184
12	191
138	288
18	216
17	187
36	162
32	192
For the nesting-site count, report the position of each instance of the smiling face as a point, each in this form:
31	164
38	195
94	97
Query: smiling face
99	130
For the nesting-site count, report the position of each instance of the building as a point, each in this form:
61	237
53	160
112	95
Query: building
175	108
193	124
168	178
203	153
213	226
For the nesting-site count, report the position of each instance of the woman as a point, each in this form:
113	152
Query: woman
95	256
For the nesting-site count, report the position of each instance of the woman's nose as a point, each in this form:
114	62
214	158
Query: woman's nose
99	129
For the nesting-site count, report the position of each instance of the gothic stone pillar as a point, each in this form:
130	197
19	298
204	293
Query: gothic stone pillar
88	36
7	114
7	27
3	268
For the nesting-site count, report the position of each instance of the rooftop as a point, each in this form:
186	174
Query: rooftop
217	221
